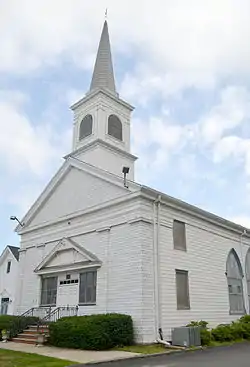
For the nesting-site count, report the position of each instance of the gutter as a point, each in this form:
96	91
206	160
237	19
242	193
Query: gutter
194	211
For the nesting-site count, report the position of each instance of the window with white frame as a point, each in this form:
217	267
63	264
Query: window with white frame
179	235
182	289
87	288
49	291
234	280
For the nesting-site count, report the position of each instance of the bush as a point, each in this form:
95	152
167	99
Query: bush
245	319
223	333
205	337
202	324
95	332
15	324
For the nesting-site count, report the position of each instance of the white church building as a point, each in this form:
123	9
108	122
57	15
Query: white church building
98	240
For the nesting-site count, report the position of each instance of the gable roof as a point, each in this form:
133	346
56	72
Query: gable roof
15	251
58	177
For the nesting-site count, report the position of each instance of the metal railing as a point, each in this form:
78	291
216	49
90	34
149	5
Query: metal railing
57	314
39	312
29	317
39	316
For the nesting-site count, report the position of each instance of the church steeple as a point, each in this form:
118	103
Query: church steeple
102	119
103	75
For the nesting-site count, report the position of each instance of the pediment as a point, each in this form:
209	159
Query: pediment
76	187
67	255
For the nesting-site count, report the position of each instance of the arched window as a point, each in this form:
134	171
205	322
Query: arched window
86	127
248	274
115	127
234	281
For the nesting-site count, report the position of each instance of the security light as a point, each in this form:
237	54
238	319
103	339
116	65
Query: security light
13	217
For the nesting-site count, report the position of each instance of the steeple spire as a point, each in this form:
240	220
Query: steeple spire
103	75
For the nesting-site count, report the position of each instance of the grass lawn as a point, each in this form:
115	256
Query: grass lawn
8	358
144	349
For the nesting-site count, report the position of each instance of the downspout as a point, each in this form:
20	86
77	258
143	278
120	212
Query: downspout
158	319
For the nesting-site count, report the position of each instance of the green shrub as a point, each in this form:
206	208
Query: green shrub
238	330
94	332
205	337
223	333
5	321
202	324
15	324
245	319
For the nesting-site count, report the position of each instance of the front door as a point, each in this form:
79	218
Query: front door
4	306
68	293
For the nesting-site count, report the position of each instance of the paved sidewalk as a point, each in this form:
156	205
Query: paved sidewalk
74	355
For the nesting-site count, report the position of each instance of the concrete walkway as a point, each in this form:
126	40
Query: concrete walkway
74	355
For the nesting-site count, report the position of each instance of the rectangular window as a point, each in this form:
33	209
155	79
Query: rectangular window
8	266
182	290
179	235
87	289
49	291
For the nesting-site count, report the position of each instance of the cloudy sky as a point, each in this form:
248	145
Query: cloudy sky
184	64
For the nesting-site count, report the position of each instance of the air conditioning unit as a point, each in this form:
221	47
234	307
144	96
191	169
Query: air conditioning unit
186	336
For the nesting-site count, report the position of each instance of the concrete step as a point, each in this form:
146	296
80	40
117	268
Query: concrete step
30	332
23	340
27	336
41	327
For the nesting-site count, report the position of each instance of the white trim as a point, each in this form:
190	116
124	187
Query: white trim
73	267
108	204
106	93
70	244
55	181
140	219
105	144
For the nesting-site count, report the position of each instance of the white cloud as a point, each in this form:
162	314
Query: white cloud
26	147
177	43
156	140
233	108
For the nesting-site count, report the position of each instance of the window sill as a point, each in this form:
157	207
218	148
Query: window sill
237	313
183	308
87	304
180	249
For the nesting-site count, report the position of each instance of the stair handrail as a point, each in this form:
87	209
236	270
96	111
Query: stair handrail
54	315
21	322
27	313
